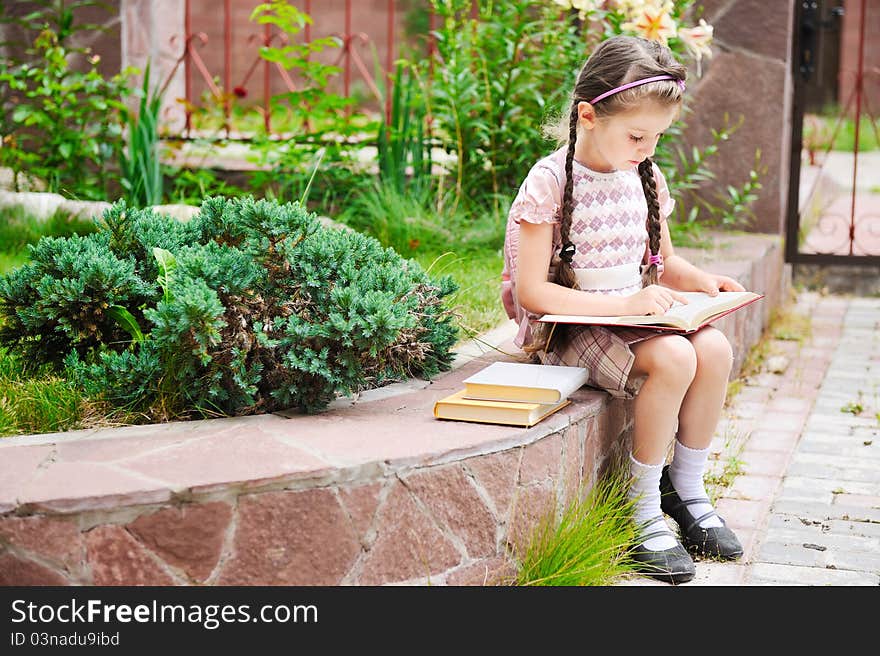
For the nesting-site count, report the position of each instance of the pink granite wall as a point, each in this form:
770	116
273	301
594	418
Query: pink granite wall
452	523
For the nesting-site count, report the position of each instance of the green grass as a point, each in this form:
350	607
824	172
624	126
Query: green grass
818	130
9	261
37	402
588	545
477	303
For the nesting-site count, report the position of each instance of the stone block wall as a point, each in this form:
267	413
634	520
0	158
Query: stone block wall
748	76
452	523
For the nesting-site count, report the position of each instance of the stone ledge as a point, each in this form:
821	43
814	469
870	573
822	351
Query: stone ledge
373	491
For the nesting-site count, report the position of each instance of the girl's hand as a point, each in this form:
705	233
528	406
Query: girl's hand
652	299
711	284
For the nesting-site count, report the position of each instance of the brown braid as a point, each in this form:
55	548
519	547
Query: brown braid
545	335
646	173
564	273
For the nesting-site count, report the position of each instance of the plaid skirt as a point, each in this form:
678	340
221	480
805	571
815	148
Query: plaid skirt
604	351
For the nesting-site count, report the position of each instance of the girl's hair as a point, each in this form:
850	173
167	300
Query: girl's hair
615	62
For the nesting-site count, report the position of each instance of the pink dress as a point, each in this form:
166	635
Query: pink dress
608	229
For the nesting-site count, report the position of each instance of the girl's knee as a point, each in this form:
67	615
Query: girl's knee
713	349
672	357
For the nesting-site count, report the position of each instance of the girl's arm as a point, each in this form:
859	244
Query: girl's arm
536	294
682	275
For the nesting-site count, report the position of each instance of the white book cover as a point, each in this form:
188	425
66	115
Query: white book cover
518	381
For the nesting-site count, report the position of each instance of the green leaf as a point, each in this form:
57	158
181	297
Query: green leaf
167	264
125	319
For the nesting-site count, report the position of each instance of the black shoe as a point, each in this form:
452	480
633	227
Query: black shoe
715	542
673	565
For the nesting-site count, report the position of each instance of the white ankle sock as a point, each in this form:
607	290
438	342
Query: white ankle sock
645	490
686	476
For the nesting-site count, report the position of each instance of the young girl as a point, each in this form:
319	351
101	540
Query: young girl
587	234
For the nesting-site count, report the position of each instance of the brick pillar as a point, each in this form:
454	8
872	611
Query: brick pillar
153	29
749	74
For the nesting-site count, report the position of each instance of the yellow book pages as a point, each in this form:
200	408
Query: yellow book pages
696	313
457	407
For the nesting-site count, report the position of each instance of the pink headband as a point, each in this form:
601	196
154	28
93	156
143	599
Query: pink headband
637	83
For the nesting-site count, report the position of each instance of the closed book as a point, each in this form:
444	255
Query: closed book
519	381
456	407
700	310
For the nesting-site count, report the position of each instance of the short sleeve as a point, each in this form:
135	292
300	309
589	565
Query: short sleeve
667	204
539	197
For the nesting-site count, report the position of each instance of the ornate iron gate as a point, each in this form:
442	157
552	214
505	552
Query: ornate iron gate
835	218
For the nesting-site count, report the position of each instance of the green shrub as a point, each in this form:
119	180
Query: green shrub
252	306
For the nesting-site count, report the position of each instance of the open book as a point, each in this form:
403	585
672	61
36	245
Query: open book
519	381
700	310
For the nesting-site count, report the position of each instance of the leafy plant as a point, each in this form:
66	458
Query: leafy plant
249	307
588	545
311	105
61	125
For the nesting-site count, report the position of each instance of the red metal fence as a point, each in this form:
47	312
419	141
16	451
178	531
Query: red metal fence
243	70
847	228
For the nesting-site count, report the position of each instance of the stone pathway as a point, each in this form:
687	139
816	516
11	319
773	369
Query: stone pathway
806	444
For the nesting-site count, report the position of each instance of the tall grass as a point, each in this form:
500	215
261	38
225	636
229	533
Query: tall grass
36	402
477	301
588	545
140	162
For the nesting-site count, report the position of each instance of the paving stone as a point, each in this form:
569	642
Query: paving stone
753	488
763	463
862	500
776	574
786	553
739	513
773	440
827	511
859	561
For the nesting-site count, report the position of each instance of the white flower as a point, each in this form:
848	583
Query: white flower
630	7
652	21
583	7
698	39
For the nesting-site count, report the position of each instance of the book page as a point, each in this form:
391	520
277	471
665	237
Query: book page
701	306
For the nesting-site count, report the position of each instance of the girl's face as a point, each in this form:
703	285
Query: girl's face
623	140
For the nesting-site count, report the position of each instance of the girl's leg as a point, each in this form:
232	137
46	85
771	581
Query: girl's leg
704	400
669	362
698	419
